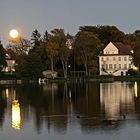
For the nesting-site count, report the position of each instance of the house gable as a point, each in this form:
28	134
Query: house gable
110	49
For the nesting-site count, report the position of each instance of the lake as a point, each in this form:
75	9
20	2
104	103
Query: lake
81	111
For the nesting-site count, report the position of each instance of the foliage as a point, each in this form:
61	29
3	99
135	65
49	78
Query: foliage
51	48
2	57
20	46
35	41
88	47
29	66
39	47
137	54
132	72
63	51
106	33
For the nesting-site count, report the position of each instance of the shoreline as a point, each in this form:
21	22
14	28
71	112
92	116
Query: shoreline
97	78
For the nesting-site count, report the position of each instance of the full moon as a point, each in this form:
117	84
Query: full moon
14	33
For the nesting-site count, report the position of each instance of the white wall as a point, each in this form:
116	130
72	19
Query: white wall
110	49
115	64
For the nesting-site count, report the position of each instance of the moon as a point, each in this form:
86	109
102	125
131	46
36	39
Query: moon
14	33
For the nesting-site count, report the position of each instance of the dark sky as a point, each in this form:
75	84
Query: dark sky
28	15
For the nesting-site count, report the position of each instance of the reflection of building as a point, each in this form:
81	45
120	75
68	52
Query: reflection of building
115	59
10	60
15	112
16	119
116	99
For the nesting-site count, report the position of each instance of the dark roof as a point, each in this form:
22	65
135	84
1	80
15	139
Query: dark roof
122	49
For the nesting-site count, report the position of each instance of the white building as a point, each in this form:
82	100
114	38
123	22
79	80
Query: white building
115	59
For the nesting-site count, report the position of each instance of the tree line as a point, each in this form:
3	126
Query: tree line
61	52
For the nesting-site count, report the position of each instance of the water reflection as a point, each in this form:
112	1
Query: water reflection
16	118
62	107
117	99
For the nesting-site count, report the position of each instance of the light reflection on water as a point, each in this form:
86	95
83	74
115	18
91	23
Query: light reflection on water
69	111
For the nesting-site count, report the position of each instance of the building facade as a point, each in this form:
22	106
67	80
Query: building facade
10	60
115	59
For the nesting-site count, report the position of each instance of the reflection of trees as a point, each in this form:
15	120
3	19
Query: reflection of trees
46	105
87	105
87	101
58	105
3	106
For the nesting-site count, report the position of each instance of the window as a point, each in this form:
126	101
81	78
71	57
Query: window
129	66
125	66
106	66
114	58
102	66
102	58
115	66
125	58
110	66
119	66
119	58
107	58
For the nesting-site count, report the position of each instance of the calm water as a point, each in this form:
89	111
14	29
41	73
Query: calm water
99	111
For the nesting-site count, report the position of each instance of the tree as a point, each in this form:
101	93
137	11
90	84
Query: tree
35	41
21	46
2	56
106	33
88	47
63	50
137	54
29	66
52	50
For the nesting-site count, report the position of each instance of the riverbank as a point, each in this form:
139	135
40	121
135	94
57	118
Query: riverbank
98	78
